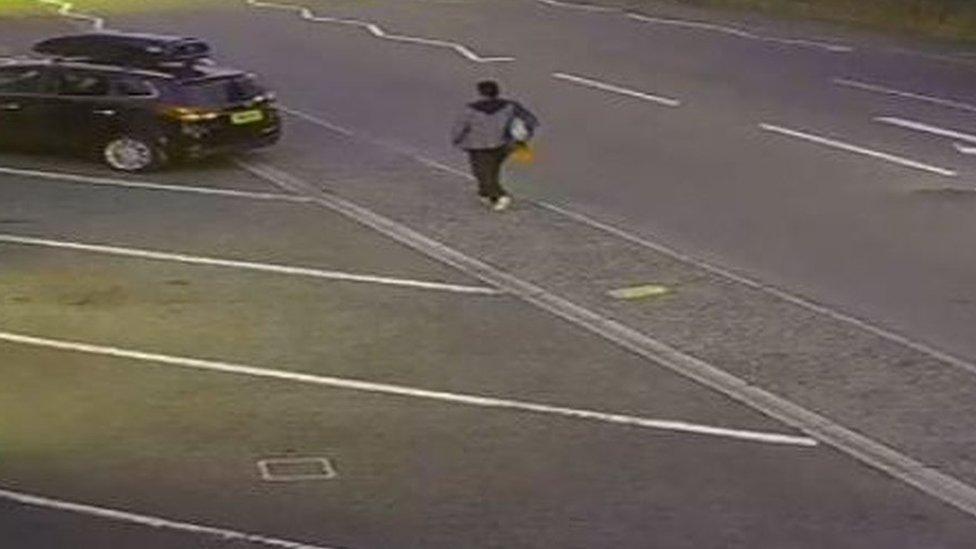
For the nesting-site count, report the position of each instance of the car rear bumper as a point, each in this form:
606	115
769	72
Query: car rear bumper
200	148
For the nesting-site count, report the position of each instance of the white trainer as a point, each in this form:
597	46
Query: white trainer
503	202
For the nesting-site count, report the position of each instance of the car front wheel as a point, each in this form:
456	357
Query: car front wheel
132	154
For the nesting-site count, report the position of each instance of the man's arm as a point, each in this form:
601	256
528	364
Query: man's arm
531	120
461	128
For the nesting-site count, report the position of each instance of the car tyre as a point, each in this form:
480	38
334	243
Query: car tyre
133	154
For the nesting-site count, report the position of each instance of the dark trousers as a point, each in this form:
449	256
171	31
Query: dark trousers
486	165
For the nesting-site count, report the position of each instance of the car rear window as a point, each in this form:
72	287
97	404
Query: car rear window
220	92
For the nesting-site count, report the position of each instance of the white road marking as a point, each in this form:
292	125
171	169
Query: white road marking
66	9
379	32
866	450
963	149
700	25
858	150
926	128
722	272
639	292
316	120
953	104
412	392
616	89
246	265
145	185
440	166
580	7
733	31
220	534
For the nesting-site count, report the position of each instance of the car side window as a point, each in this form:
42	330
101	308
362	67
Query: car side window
20	80
132	87
86	84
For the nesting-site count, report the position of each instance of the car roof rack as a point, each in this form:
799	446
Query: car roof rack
126	49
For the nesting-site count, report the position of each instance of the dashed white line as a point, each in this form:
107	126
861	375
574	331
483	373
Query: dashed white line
858	150
413	392
580	6
692	24
221	534
63	177
379	32
246	265
963	149
616	89
725	29
926	128
951	103
740	33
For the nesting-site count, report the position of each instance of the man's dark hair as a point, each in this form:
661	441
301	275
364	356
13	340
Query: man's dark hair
488	88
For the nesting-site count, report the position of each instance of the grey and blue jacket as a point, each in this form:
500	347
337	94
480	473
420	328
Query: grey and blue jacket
485	124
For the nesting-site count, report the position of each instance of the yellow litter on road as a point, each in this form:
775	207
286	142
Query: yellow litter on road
639	292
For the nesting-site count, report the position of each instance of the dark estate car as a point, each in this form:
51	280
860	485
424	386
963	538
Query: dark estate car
134	100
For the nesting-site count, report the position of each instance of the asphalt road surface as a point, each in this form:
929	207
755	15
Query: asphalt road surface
455	378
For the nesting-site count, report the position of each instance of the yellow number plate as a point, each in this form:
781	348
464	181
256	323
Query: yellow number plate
246	117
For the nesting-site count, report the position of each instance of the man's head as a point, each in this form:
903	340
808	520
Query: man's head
488	89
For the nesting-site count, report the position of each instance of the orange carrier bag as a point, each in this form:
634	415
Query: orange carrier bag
523	154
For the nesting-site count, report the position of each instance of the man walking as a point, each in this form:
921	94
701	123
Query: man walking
489	129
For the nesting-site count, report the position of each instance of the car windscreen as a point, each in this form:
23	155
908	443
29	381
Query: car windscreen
221	92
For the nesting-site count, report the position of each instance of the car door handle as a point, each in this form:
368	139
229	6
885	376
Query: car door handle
10	106
104	112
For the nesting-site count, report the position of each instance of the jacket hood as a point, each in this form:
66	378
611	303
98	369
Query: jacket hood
489	106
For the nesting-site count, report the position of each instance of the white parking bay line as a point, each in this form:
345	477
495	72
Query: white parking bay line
616	89
858	150
145	185
405	391
951	103
152	522
247	265
926	128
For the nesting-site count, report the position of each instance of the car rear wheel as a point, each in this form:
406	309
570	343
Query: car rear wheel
132	154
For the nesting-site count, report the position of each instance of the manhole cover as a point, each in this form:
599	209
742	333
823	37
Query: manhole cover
296	469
